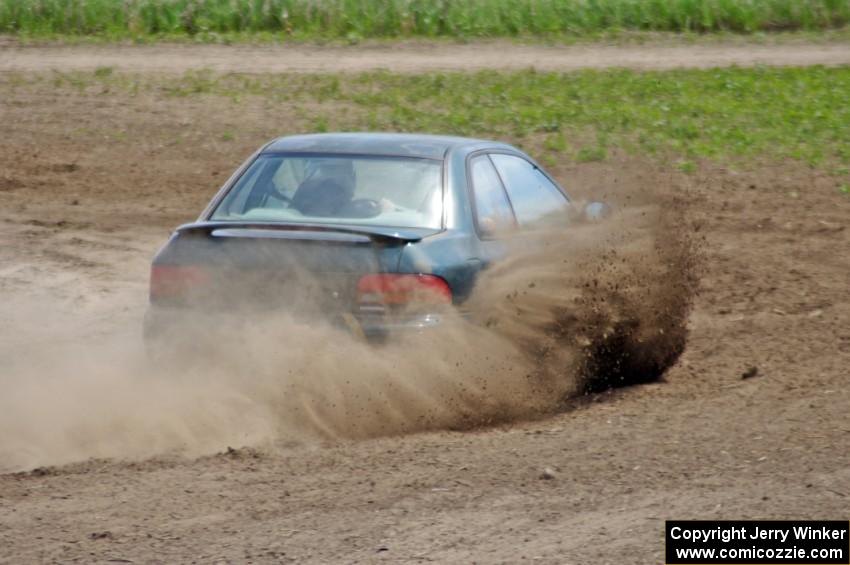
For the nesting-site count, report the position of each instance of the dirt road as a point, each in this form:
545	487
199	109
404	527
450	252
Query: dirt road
413	57
90	185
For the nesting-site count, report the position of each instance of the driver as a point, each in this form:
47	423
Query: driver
327	188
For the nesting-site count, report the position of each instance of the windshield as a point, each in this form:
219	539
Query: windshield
342	189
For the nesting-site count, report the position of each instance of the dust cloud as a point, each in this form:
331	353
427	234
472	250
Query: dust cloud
600	304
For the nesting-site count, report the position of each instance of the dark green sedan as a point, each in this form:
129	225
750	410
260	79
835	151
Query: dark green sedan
381	232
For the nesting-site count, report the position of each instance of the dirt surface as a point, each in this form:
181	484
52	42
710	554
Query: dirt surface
90	185
412	57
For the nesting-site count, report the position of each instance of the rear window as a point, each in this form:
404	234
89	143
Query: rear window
379	191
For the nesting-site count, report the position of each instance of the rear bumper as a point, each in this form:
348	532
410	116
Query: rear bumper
163	326
382	327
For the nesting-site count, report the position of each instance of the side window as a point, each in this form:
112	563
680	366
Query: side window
532	194
492	208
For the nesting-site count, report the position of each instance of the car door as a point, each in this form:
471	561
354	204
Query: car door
533	196
492	215
491	208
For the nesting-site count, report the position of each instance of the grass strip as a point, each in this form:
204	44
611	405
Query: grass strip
361	19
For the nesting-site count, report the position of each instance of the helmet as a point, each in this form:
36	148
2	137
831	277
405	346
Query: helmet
338	169
328	187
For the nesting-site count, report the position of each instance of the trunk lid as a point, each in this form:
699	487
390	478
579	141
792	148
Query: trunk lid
302	268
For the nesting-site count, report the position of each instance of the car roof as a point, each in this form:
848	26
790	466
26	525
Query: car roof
399	144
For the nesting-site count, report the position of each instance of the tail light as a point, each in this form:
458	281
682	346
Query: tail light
403	289
176	281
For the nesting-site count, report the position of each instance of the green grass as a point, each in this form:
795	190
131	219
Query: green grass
359	19
724	114
729	115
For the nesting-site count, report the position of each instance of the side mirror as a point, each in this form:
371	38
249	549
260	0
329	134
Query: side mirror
596	211
487	226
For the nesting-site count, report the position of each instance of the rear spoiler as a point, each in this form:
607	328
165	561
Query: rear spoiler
322	232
